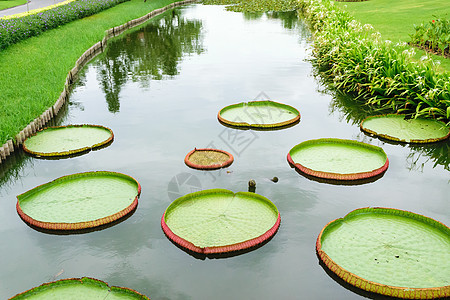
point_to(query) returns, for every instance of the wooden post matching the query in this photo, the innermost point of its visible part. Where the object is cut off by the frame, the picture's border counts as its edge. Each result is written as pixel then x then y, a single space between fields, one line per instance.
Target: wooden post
pixel 37 124
pixel 5 149
pixel 11 146
pixel 33 128
pixel 27 131
pixel 2 153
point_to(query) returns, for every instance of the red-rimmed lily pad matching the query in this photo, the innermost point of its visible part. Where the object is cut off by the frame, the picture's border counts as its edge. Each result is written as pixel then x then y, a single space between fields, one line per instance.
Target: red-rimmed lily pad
pixel 400 129
pixel 79 288
pixel 388 251
pixel 220 221
pixel 79 201
pixel 259 114
pixel 208 159
pixel 338 159
pixel 67 140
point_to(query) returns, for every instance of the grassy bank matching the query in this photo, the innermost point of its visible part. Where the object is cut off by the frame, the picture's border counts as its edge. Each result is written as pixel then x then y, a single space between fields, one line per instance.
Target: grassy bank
pixel 33 72
pixel 395 19
pixel 4 4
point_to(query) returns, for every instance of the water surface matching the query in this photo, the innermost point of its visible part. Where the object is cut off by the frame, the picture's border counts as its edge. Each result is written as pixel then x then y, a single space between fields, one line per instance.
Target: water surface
pixel 159 88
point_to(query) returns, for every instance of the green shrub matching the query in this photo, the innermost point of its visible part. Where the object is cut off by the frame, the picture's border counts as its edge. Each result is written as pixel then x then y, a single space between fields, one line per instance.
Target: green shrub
pixel 434 35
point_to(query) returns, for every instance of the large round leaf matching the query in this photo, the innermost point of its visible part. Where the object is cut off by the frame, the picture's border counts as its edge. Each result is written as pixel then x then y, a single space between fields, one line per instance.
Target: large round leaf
pixel 218 221
pixel 259 114
pixel 79 201
pixel 79 288
pixel 208 159
pixel 389 251
pixel 398 128
pixel 67 140
pixel 338 159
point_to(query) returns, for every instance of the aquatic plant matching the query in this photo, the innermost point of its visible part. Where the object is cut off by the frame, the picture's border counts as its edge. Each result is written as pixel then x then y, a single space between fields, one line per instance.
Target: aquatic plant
pixel 15 30
pixel 378 73
pixel 255 5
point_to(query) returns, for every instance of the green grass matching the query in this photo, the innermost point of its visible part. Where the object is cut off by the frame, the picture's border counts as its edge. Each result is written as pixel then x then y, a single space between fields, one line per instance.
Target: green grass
pixel 4 4
pixel 395 19
pixel 33 72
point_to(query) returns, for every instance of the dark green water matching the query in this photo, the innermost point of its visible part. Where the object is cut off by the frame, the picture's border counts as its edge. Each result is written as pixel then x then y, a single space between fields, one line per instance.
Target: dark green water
pixel 159 88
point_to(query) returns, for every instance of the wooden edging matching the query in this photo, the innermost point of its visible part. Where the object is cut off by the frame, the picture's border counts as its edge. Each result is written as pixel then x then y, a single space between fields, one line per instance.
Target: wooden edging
pixel 7 148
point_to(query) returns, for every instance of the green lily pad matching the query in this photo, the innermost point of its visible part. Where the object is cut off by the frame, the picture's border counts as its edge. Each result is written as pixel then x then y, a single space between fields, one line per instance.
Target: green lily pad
pixel 219 221
pixel 259 114
pixel 67 140
pixel 79 201
pixel 79 288
pixel 389 251
pixel 338 159
pixel 397 128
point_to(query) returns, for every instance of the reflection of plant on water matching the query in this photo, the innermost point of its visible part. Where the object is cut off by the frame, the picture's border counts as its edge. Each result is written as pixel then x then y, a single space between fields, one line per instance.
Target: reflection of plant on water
pixel 289 20
pixel 438 154
pixel 12 169
pixel 152 52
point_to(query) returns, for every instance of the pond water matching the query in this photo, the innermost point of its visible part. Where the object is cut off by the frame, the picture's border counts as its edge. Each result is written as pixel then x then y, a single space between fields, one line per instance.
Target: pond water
pixel 159 88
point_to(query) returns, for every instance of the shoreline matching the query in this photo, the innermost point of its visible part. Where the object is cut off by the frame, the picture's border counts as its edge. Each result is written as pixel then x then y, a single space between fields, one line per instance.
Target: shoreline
pixel 39 123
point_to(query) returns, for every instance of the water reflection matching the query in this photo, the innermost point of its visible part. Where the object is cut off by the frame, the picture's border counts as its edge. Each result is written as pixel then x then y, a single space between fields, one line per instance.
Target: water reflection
pixel 12 169
pixel 152 52
pixel 237 65
pixel 437 154
pixel 289 19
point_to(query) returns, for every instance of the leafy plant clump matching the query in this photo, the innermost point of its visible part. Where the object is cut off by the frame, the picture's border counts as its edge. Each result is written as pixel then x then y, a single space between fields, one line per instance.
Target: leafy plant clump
pixel 433 36
pixel 15 30
pixel 256 5
pixel 379 73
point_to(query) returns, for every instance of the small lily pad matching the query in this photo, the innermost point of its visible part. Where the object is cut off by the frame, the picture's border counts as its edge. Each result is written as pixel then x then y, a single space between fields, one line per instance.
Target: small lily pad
pixel 219 221
pixel 259 114
pixel 398 128
pixel 79 288
pixel 79 201
pixel 338 159
pixel 388 251
pixel 208 159
pixel 67 140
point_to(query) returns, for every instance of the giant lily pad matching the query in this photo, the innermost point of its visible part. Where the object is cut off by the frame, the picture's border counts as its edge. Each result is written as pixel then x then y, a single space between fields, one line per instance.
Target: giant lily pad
pixel 79 201
pixel 67 140
pixel 388 251
pixel 398 128
pixel 338 159
pixel 219 221
pixel 208 159
pixel 79 288
pixel 259 114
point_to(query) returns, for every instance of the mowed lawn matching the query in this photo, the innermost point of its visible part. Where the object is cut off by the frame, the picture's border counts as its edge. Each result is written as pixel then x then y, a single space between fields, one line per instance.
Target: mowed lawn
pixel 4 4
pixel 395 19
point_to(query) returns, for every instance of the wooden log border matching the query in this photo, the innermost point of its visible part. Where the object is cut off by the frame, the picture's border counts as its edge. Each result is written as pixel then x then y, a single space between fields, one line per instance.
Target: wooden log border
pixel 11 145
